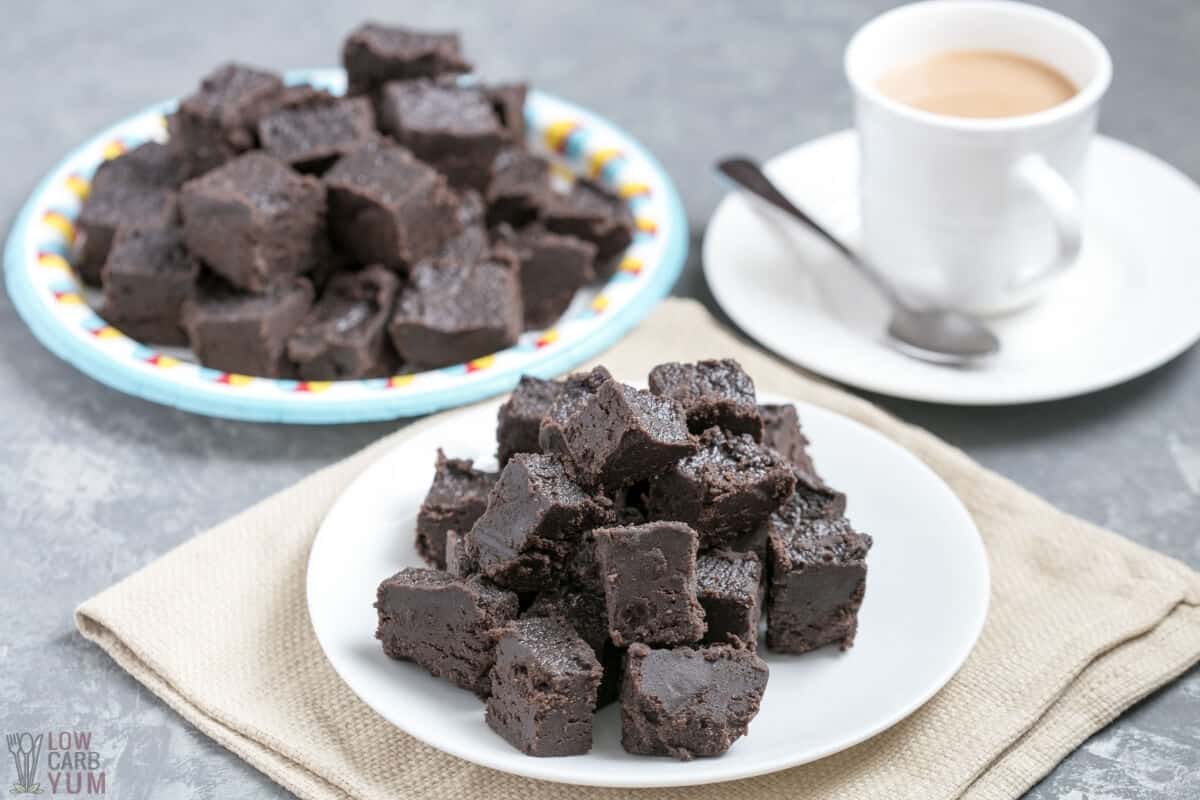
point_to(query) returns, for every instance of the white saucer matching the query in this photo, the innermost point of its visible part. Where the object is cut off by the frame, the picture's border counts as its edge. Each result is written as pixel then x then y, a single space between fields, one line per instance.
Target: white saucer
pixel 1131 304
pixel 927 563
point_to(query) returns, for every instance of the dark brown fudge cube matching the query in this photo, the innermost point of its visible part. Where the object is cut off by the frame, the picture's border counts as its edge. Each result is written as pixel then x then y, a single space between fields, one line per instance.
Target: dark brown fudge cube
pixel 689 703
pixel 623 435
pixel 147 277
pixel 508 99
pixel 782 433
pixel 553 268
pixel 460 554
pixel 447 625
pixel 312 135
pixel 471 244
pixel 649 578
pixel 585 611
pixel 591 212
pixel 455 500
pixel 520 187
pixel 344 335
pixel 451 314
pixel 534 519
pixel 386 207
pixel 520 418
pixel 456 129
pixel 730 486
pixel 254 221
pixel 374 54
pixel 713 393
pixel 245 333
pixel 729 585
pixel 817 578
pixel 137 189
pixel 544 687
pixel 577 389
pixel 218 121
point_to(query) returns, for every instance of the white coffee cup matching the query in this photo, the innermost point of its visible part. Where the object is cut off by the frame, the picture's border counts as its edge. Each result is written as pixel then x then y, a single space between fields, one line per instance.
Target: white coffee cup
pixel 974 214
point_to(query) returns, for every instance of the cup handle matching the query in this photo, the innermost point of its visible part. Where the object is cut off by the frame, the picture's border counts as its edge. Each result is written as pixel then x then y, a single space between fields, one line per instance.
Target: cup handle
pixel 1060 200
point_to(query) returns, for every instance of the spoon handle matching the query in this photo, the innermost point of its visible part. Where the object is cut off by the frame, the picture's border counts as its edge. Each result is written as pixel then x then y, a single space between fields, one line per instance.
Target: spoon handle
pixel 748 175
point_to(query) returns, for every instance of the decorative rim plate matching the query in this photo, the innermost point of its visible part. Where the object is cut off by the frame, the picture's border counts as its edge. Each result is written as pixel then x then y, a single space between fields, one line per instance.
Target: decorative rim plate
pixel 926 603
pixel 53 303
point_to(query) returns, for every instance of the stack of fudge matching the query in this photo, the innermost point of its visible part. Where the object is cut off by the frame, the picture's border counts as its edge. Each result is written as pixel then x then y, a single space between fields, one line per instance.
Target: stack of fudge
pixel 627 550
pixel 286 232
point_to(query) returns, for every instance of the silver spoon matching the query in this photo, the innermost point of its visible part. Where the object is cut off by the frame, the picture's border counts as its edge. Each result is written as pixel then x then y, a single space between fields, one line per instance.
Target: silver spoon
pixel 940 337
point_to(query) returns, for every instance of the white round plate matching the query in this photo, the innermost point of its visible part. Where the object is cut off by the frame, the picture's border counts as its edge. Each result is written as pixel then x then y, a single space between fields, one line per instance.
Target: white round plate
pixel 928 563
pixel 1128 306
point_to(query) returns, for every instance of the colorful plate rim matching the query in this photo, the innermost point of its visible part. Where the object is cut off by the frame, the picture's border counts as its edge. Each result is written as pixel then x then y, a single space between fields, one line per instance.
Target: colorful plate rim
pixel 138 371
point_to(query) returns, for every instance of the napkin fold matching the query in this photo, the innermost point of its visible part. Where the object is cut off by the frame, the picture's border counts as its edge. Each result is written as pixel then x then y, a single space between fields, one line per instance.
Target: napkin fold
pixel 1083 623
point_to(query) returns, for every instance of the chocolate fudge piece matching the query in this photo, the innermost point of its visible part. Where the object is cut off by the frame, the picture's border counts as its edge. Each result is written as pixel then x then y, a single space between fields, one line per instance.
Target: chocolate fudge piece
pixel 649 578
pixel 456 499
pixel 782 433
pixel 728 585
pixel 730 486
pixel 137 189
pixel 520 418
pixel 535 516
pixel 712 393
pixel 374 54
pixel 254 221
pixel 245 333
pixel 453 128
pixel 623 435
pixel 460 554
pixel 345 334
pixel 147 277
pixel 218 121
pixel 553 268
pixel 577 389
pixel 311 135
pixel 585 611
pixel 472 244
pixel 593 213
pixel 508 100
pixel 817 577
pixel 447 625
pixel 689 703
pixel 519 189
pixel 544 687
pixel 386 207
pixel 452 314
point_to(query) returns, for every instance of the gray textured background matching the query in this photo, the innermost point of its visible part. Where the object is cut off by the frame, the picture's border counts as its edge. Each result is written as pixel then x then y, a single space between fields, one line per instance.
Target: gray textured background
pixel 94 484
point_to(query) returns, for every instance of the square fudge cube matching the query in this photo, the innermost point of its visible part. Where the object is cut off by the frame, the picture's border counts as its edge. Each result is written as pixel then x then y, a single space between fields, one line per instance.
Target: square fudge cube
pixel 623 435
pixel 553 269
pixel 591 212
pixel 219 120
pixel 782 433
pixel 520 418
pixel 386 207
pixel 245 333
pixel 520 187
pixel 147 277
pixel 137 189
pixel 508 100
pixel 374 54
pixel 577 389
pixel 713 394
pixel 460 554
pixel 533 523
pixel 254 221
pixel 445 624
pixel 544 687
pixel 454 128
pixel 729 587
pixel 451 314
pixel 649 577
pixel 817 578
pixel 730 486
pixel 689 703
pixel 344 335
pixel 456 499
pixel 584 610
pixel 471 244
pixel 310 136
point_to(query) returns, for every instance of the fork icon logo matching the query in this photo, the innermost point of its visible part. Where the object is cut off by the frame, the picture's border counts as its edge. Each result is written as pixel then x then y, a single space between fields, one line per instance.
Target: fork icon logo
pixel 26 752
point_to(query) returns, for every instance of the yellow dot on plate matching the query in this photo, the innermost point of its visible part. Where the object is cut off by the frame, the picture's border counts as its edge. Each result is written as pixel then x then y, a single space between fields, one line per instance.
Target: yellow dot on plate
pixel 556 133
pixel 233 379
pixel 631 265
pixel 396 381
pixel 166 362
pixel 60 224
pixel 69 298
pixel 549 336
pixel 109 332
pixel 476 364
pixel 317 386
pixel 78 186
pixel 633 189
pixel 647 225
pixel 599 304
pixel 113 149
pixel 54 261
pixel 598 159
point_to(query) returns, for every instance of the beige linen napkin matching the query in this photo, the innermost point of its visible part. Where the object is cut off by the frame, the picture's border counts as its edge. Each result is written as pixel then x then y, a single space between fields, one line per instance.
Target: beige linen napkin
pixel 1083 623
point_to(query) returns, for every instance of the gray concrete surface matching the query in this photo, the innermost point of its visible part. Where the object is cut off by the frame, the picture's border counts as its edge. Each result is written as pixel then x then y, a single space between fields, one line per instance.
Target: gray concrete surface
pixel 94 484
